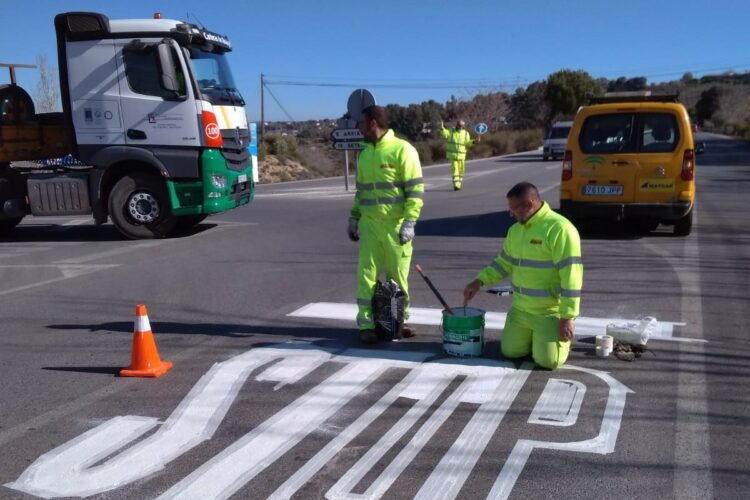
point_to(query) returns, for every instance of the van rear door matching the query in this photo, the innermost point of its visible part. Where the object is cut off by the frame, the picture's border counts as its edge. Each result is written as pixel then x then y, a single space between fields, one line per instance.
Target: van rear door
pixel 606 171
pixel 660 158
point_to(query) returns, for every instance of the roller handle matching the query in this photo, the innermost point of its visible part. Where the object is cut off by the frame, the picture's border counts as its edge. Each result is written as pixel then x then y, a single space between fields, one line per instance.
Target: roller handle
pixel 434 290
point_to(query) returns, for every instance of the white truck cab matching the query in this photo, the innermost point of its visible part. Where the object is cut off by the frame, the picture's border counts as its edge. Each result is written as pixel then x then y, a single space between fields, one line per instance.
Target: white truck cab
pixel 152 107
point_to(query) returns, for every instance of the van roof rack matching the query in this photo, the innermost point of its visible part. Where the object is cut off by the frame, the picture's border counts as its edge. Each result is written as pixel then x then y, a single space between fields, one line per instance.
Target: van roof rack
pixel 638 96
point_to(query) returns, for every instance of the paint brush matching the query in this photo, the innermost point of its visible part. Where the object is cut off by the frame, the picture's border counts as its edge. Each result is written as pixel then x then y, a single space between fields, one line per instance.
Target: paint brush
pixel 434 290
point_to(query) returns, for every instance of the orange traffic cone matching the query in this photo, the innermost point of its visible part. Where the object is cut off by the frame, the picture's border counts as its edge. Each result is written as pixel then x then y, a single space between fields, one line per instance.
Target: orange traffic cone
pixel 144 361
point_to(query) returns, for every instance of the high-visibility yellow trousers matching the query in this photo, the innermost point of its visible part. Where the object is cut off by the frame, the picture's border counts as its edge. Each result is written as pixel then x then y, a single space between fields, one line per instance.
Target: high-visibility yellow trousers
pixel 526 333
pixel 458 167
pixel 380 252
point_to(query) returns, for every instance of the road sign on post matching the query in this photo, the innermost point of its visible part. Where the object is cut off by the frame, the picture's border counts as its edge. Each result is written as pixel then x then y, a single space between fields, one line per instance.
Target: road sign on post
pixel 347 134
pixel 481 128
pixel 348 145
pixel 359 100
pixel 347 137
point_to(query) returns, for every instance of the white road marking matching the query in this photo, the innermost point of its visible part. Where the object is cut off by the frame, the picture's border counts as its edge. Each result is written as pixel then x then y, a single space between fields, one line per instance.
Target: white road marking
pixel 14 251
pixel 585 327
pixel 68 471
pixel 68 271
pixel 99 460
pixel 125 248
pixel 449 476
pixel 559 404
pixel 692 472
pixel 226 473
pixel 603 443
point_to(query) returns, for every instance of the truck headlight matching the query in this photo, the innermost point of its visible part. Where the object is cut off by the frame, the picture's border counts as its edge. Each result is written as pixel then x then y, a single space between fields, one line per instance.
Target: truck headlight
pixel 219 181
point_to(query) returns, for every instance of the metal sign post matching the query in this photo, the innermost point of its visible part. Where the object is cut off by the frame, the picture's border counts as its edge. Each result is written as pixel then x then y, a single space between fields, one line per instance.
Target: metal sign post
pixel 346 170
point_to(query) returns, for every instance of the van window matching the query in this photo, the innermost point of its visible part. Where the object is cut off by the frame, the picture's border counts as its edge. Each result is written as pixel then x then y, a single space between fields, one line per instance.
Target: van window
pixel 559 133
pixel 659 133
pixel 611 133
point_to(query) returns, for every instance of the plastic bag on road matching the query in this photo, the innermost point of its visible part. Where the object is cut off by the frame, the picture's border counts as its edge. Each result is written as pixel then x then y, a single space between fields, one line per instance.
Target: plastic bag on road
pixel 636 333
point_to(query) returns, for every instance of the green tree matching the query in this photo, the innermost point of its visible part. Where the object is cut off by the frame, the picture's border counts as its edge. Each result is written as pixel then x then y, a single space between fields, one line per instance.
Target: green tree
pixel 708 104
pixel 528 107
pixel 567 91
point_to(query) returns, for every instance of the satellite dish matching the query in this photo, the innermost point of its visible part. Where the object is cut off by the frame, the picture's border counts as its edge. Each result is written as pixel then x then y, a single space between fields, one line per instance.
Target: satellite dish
pixel 359 100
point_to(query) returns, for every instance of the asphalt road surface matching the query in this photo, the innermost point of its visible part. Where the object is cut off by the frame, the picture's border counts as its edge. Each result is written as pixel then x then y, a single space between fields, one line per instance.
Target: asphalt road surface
pixel 271 394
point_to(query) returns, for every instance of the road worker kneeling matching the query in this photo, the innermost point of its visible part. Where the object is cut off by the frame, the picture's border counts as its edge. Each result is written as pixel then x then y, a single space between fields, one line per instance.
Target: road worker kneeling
pixel 542 256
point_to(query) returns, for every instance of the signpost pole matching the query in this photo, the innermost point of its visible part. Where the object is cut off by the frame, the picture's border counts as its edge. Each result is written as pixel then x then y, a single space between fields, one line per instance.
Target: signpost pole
pixel 346 170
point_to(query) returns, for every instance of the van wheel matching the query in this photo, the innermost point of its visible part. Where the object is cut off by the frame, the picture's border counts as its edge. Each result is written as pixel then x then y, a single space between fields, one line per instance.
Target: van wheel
pixel 545 157
pixel 684 225
pixel 139 207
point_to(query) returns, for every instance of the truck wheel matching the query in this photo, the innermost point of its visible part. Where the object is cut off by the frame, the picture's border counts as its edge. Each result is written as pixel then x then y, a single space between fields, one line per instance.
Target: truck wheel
pixel 684 225
pixel 7 225
pixel 188 221
pixel 139 207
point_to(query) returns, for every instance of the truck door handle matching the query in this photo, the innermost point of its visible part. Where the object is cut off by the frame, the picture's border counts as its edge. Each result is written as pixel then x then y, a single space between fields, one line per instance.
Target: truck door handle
pixel 136 134
pixel 620 162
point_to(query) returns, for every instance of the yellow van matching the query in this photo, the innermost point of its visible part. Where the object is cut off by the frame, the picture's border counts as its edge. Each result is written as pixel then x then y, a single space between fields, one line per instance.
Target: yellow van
pixel 631 157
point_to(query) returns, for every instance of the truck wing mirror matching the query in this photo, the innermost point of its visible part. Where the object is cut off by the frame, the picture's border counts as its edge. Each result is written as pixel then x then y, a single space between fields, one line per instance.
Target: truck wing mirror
pixel 168 75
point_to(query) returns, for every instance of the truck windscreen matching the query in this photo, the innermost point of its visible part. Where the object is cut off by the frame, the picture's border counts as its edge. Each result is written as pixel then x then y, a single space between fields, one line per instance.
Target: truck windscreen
pixel 214 78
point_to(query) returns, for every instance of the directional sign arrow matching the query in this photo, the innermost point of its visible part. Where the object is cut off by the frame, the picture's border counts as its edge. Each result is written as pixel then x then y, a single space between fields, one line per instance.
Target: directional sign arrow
pixel 348 145
pixel 347 134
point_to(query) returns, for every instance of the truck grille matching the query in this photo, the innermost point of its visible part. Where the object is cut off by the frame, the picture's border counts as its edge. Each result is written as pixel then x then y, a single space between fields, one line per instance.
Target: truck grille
pixel 235 150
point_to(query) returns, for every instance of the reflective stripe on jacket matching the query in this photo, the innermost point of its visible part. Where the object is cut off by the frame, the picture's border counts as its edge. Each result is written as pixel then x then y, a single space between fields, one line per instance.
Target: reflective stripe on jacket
pixel 458 142
pixel 389 180
pixel 543 260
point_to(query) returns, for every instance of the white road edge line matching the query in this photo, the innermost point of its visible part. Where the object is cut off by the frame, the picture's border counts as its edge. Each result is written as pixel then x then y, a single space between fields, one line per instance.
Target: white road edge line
pixel 692 454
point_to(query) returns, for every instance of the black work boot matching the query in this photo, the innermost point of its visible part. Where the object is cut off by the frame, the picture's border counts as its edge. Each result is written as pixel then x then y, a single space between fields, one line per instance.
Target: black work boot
pixel 408 332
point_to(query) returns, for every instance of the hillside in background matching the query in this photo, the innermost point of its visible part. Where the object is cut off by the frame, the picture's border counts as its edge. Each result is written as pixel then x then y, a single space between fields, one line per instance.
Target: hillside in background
pixel 516 121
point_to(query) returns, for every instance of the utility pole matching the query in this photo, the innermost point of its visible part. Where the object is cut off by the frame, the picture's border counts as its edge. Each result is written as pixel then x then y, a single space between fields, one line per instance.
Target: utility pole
pixel 262 109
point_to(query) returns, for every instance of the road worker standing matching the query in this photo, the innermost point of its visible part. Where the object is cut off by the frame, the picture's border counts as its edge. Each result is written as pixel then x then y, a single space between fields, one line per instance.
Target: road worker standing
pixel 542 256
pixel 458 142
pixel 385 210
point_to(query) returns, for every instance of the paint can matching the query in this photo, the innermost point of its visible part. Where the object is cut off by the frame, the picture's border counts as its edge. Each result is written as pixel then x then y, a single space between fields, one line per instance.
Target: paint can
pixel 463 332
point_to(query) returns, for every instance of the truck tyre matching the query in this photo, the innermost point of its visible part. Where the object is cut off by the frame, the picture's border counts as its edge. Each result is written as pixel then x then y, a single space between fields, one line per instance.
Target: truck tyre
pixel 139 207
pixel 684 225
pixel 7 225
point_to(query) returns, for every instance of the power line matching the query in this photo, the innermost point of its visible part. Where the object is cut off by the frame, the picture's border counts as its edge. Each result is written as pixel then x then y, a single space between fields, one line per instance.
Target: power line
pixel 279 103
pixel 396 85
pixel 483 83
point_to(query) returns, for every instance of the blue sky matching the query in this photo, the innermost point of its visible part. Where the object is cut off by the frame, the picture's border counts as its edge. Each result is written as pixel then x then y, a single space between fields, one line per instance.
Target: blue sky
pixel 443 47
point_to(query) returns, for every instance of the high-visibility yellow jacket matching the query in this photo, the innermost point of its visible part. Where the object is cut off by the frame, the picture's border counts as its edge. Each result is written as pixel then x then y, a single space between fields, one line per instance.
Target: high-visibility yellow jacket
pixel 389 180
pixel 543 260
pixel 458 142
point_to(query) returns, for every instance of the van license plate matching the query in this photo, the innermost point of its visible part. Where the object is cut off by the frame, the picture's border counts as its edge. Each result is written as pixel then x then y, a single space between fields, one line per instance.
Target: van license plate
pixel 242 178
pixel 594 190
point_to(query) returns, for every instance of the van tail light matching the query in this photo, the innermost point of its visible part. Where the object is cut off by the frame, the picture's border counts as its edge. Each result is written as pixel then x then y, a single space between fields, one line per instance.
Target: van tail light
pixel 688 165
pixel 211 130
pixel 567 166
